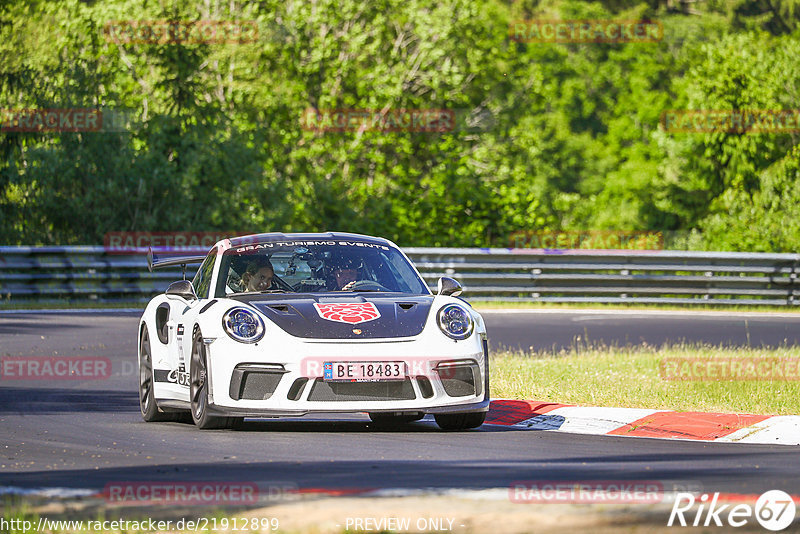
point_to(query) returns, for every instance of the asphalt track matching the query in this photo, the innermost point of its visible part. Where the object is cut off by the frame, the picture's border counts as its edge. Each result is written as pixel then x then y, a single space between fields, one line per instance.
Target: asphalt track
pixel 555 330
pixel 86 434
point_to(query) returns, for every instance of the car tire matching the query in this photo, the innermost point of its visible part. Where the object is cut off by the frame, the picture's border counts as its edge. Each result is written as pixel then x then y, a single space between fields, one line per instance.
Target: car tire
pixel 198 388
pixel 147 399
pixel 235 423
pixel 460 421
pixel 184 417
pixel 390 419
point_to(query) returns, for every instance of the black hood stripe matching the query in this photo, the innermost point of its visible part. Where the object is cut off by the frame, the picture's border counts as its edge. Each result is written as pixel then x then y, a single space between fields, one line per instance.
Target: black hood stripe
pixel 400 315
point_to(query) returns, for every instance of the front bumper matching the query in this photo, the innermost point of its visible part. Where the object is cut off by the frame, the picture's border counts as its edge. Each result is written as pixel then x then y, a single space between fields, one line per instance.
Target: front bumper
pixel 276 381
pixel 214 410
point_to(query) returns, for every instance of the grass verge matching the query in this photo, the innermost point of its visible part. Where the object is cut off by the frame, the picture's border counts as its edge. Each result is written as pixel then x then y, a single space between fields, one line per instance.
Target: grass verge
pixel 631 377
pixel 481 305
pixel 69 305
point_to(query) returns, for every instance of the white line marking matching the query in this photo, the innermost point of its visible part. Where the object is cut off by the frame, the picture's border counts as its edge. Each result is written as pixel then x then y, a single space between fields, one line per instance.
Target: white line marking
pixel 777 430
pixel 49 492
pixel 597 420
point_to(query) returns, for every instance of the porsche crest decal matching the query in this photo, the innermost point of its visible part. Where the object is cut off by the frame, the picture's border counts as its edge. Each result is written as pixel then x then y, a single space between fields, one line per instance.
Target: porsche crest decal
pixel 348 313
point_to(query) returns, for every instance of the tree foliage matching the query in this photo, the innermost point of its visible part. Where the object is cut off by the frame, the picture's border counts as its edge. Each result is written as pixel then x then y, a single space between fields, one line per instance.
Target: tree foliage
pixel 549 136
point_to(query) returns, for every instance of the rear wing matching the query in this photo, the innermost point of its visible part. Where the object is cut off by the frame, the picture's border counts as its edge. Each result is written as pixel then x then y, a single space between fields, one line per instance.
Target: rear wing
pixel 153 262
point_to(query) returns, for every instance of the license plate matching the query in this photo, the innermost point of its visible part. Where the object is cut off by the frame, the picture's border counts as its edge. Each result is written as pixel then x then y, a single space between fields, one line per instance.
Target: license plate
pixel 363 371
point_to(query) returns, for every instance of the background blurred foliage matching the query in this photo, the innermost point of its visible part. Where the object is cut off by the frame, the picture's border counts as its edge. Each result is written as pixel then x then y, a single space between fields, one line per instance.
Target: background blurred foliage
pixel 569 136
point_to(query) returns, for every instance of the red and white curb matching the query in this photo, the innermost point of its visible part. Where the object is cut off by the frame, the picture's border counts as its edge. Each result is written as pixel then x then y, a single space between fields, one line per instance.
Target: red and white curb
pixel 645 423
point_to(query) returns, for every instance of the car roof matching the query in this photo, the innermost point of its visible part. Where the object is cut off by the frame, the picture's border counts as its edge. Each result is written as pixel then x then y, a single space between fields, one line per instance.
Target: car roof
pixel 273 237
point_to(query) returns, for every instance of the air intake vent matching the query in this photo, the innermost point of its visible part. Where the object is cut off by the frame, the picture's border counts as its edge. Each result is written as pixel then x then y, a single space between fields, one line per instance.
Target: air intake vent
pixel 362 391
pixel 425 387
pixel 459 380
pixel 162 316
pixel 254 381
pixel 296 391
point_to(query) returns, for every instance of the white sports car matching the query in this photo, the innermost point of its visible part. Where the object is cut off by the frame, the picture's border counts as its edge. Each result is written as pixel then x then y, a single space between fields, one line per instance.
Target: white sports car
pixel 290 324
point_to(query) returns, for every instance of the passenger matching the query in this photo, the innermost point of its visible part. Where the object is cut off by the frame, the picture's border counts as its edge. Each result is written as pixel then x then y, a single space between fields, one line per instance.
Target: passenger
pixel 259 274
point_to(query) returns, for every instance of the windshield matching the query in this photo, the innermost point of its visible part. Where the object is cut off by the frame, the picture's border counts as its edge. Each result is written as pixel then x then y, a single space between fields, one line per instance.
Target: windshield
pixel 317 267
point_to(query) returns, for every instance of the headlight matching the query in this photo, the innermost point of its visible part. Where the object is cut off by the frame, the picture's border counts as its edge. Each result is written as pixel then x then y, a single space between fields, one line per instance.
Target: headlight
pixel 243 325
pixel 455 321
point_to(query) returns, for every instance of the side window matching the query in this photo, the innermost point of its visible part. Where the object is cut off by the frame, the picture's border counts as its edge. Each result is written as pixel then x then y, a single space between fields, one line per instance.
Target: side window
pixel 202 280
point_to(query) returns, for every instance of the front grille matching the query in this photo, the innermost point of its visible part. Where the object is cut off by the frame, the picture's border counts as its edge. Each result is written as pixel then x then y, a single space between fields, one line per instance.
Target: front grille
pixel 254 382
pixel 459 380
pixel 362 391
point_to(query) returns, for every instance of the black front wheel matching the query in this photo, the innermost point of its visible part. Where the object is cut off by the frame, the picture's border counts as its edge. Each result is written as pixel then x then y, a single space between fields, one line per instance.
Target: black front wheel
pixel 198 389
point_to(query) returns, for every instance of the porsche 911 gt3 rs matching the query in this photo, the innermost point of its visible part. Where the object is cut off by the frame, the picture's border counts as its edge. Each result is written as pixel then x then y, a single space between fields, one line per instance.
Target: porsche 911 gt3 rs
pixel 291 324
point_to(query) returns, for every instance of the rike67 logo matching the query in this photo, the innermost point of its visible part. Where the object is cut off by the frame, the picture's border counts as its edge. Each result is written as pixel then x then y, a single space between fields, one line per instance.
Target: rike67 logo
pixel 774 510
pixel 351 313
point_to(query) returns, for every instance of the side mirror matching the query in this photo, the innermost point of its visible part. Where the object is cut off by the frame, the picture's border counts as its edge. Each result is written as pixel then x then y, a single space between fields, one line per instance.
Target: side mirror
pixel 183 289
pixel 448 286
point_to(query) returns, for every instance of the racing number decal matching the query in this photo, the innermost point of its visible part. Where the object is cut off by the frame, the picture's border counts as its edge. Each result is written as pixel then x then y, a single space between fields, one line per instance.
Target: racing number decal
pixel 175 376
pixel 179 376
pixel 348 313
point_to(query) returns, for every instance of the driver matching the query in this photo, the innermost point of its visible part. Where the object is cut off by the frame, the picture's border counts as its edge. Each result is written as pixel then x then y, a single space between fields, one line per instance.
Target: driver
pixel 342 273
pixel 259 274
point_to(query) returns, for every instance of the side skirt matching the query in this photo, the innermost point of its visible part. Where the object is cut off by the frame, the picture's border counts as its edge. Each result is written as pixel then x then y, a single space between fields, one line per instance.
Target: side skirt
pixel 177 405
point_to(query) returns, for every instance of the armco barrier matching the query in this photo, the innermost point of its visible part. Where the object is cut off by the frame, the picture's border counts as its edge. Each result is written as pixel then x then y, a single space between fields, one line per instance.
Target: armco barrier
pixel 58 273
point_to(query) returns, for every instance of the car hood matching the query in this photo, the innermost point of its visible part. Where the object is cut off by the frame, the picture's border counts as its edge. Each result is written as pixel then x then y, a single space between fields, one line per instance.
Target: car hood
pixel 344 317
